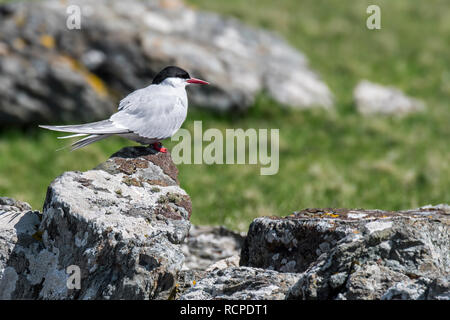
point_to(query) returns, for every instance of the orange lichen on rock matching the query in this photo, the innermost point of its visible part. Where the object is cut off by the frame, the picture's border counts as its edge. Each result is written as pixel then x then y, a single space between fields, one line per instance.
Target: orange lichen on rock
pixel 332 215
pixel 94 81
pixel 47 41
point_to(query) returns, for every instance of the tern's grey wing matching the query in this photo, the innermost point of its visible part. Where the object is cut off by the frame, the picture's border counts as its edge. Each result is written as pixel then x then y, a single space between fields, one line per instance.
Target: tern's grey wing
pixel 129 99
pixel 156 116
pixel 99 127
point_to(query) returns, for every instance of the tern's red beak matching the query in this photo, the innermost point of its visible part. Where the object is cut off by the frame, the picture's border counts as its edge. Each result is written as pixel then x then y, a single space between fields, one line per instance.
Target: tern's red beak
pixel 193 80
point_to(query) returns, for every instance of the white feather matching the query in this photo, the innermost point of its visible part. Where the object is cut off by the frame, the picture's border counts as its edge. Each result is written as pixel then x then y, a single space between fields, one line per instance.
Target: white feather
pixel 73 136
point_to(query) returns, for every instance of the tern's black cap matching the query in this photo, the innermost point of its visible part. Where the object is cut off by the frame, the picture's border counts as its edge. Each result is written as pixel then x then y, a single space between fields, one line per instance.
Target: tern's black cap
pixel 170 72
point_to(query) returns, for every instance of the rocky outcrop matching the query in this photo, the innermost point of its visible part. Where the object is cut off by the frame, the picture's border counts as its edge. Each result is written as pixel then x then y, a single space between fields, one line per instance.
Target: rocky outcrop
pixel 121 224
pixel 49 72
pixel 124 226
pixel 336 254
pixel 372 98
pixel 356 254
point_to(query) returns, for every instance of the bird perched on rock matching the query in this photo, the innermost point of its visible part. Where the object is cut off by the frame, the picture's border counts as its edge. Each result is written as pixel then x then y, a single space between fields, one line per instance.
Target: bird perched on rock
pixel 148 115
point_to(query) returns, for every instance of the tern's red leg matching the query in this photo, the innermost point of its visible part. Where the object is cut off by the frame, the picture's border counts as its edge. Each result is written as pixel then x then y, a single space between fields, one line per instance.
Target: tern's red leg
pixel 158 147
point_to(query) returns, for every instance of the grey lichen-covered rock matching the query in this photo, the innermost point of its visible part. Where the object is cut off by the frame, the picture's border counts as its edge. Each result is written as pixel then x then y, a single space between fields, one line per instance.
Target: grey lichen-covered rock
pixel 225 263
pixel 242 283
pixel 423 288
pixel 372 98
pixel 206 249
pixel 49 72
pixel 207 245
pixel 356 254
pixel 121 223
pixel 19 239
pixel 124 225
pixel 187 278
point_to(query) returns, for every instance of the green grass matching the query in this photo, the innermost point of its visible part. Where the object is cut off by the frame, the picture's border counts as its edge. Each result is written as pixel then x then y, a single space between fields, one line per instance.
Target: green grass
pixel 327 159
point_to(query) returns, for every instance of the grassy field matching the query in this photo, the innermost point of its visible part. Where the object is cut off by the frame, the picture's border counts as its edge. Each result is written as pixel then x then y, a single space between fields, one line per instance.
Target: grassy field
pixel 334 159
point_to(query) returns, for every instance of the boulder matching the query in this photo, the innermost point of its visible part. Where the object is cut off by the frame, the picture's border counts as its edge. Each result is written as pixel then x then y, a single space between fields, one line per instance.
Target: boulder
pixel 19 239
pixel 356 254
pixel 372 98
pixel 120 224
pixel 53 72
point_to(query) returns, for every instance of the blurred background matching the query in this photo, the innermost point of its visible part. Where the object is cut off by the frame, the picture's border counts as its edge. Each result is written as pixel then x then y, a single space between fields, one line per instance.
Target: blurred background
pixel 293 65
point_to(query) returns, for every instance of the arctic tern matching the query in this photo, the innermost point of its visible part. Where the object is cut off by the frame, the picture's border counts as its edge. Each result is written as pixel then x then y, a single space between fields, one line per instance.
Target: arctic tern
pixel 148 115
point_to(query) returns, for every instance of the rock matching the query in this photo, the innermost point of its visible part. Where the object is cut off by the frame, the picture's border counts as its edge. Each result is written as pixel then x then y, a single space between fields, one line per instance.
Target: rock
pixel 207 249
pixel 371 98
pixel 232 261
pixel 241 283
pixel 10 205
pixel 356 254
pixel 121 223
pixel 50 73
pixel 413 289
pixel 124 226
pixel 207 245
pixel 187 278
pixel 18 239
